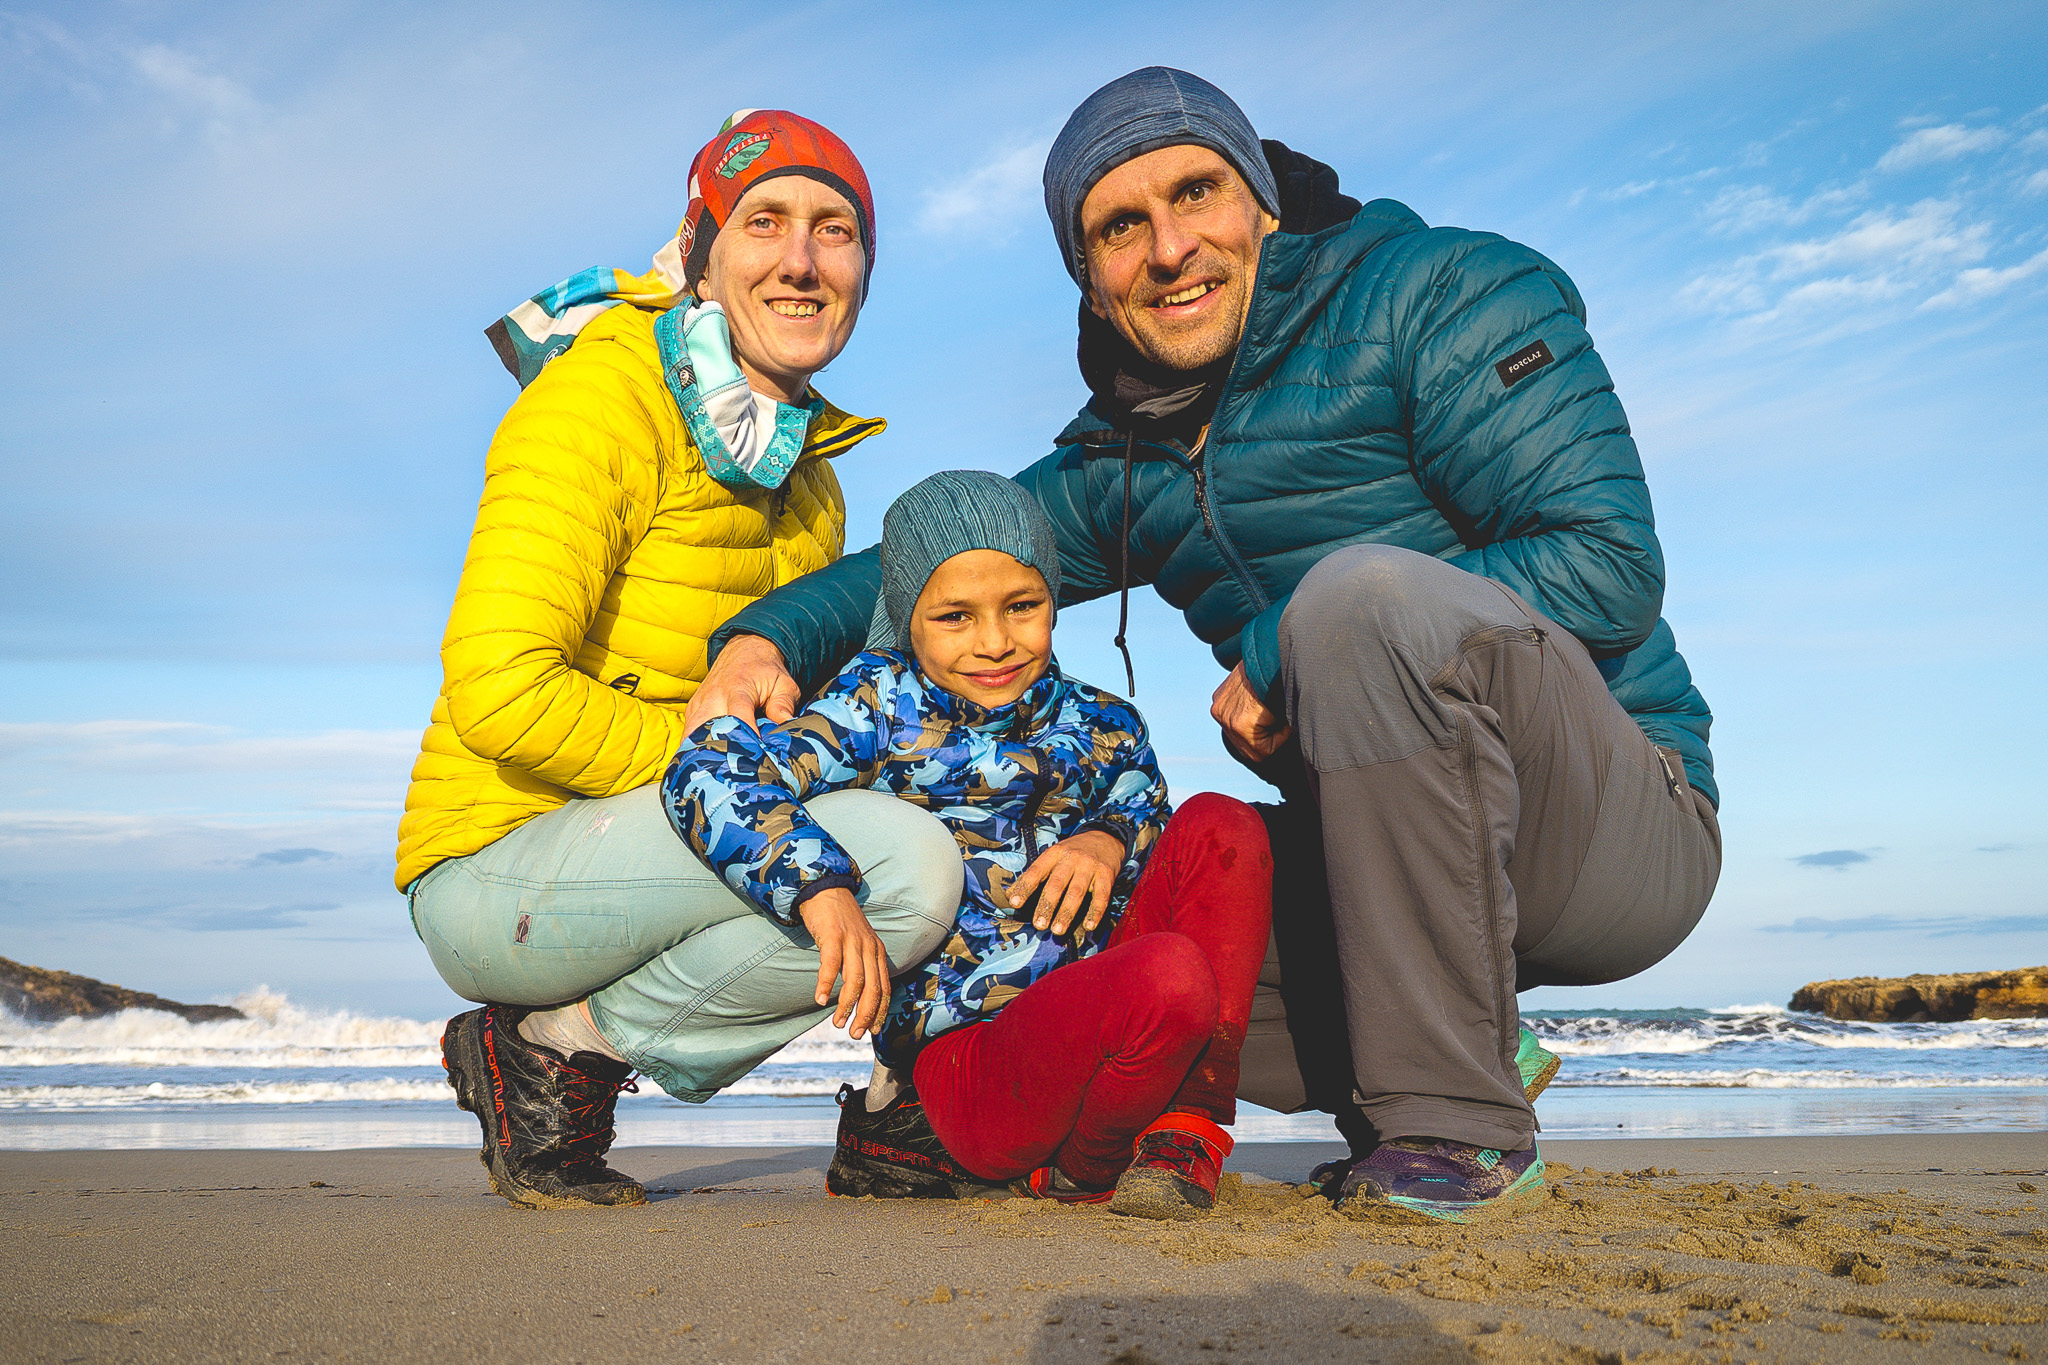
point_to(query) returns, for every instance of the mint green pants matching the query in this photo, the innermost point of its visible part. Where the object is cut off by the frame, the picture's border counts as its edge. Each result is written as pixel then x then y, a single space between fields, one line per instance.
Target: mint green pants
pixel 687 980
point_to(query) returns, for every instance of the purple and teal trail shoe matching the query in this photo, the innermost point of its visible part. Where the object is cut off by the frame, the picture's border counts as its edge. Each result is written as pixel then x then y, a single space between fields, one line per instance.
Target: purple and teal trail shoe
pixel 1452 1181
pixel 1537 1065
pixel 1536 1062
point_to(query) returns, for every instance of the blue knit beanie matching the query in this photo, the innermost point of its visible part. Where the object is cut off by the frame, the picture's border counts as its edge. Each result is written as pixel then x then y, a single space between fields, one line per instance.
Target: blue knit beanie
pixel 1153 107
pixel 949 514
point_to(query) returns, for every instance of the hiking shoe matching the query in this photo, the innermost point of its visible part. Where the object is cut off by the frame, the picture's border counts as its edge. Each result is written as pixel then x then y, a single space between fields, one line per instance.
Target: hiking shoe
pixel 1536 1063
pixel 1328 1178
pixel 893 1153
pixel 547 1120
pixel 1050 1182
pixel 1453 1181
pixel 1173 1175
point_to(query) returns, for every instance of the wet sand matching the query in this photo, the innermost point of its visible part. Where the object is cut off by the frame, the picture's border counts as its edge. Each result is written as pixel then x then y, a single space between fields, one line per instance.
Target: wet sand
pixel 1777 1249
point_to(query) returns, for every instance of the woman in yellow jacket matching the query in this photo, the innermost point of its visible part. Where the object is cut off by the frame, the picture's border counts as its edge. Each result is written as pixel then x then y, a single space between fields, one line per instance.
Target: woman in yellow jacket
pixel 665 465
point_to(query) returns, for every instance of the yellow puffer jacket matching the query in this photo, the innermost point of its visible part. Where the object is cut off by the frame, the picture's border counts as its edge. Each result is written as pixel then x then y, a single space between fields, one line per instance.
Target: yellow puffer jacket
pixel 604 556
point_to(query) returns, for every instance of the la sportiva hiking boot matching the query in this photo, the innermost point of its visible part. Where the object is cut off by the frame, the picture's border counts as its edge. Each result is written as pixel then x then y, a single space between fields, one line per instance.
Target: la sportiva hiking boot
pixel 1173 1175
pixel 893 1153
pixel 1452 1181
pixel 1536 1062
pixel 547 1120
pixel 1050 1182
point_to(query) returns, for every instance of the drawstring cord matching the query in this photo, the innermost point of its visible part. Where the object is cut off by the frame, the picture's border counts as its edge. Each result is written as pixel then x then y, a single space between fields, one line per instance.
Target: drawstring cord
pixel 1123 576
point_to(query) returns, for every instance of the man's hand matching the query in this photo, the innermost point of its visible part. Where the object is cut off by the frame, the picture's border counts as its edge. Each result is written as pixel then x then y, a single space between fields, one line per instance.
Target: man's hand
pixel 749 680
pixel 1075 872
pixel 1251 728
pixel 848 945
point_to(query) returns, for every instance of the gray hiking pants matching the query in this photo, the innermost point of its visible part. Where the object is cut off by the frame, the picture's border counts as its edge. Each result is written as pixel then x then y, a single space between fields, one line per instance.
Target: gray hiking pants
pixel 1487 818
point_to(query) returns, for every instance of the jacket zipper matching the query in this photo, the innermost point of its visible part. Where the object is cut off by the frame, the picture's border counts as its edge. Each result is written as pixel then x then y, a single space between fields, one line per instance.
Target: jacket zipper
pixel 1226 548
pixel 1038 795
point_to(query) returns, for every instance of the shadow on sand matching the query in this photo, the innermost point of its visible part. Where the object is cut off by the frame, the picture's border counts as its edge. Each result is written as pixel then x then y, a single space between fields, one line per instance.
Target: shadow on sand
pixel 1281 1321
pixel 805 1163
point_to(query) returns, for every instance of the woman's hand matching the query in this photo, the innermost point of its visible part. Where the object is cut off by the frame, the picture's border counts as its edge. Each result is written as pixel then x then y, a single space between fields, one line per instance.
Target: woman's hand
pixel 1250 727
pixel 749 680
pixel 848 945
pixel 1075 872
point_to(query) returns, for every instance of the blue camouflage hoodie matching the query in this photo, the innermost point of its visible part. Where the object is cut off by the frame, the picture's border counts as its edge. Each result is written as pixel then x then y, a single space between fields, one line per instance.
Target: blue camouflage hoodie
pixel 1008 782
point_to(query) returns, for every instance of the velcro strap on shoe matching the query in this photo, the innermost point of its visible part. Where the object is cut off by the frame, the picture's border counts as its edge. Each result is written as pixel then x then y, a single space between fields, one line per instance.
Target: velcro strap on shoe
pixel 1192 1124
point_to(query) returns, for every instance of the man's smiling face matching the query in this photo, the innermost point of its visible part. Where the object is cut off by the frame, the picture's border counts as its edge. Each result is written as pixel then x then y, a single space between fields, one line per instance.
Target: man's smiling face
pixel 1172 241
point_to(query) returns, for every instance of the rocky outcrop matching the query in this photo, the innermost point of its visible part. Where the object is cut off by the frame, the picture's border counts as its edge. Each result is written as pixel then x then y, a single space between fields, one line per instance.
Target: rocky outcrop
pixel 44 997
pixel 2018 994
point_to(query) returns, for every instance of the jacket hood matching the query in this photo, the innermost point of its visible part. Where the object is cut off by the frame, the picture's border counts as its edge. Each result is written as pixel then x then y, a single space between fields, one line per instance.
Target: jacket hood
pixel 1130 390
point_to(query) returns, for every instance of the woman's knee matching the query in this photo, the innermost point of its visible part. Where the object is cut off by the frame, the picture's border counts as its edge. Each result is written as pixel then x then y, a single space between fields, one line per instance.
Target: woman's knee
pixel 910 867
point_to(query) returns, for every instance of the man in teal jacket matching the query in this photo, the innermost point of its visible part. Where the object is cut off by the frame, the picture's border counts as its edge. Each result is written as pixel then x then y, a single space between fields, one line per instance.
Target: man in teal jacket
pixel 1381 469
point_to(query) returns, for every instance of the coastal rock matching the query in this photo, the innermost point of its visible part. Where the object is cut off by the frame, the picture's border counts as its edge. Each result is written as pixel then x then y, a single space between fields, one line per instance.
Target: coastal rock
pixel 43 996
pixel 2018 994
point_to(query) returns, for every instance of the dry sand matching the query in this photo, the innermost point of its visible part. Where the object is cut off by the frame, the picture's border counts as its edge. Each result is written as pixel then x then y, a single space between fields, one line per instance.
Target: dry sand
pixel 1783 1250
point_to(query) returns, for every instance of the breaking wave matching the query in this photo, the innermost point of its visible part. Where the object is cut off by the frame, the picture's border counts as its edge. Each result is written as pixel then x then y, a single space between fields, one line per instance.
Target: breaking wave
pixel 144 1061
pixel 1760 1078
pixel 161 1094
pixel 1734 1027
pixel 277 1034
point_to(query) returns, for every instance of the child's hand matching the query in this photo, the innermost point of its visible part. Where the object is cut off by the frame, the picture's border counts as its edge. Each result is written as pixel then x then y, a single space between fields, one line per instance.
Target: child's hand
pixel 849 951
pixel 1075 872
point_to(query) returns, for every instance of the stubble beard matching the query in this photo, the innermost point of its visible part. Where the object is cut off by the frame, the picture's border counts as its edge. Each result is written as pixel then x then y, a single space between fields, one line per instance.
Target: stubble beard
pixel 1195 350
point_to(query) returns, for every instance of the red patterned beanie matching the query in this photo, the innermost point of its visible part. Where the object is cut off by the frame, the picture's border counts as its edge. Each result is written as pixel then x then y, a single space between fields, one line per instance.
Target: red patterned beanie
pixel 761 144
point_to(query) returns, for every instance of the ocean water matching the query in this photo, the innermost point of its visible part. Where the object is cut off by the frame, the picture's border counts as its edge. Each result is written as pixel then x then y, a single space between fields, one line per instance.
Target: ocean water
pixel 287 1077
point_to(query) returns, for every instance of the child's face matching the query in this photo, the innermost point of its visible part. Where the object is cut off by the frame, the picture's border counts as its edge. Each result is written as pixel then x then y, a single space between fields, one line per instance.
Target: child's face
pixel 982 627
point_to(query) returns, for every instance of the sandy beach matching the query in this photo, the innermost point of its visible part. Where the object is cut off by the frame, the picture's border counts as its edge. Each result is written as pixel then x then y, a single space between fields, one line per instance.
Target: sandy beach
pixel 1781 1249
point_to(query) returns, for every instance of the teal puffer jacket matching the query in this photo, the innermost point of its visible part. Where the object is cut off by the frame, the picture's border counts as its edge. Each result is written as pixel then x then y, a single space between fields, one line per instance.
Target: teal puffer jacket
pixel 1396 384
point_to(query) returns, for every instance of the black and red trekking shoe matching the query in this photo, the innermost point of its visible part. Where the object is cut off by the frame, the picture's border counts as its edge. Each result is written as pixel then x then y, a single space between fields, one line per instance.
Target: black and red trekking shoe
pixel 1175 1170
pixel 893 1153
pixel 1050 1182
pixel 547 1121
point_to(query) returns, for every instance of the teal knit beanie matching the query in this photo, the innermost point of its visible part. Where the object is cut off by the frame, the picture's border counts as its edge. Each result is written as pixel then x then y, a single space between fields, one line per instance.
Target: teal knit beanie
pixel 949 514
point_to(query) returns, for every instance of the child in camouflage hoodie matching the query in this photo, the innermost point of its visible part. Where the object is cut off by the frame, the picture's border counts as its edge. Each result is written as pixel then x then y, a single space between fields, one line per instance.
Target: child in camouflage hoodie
pixel 1079 1033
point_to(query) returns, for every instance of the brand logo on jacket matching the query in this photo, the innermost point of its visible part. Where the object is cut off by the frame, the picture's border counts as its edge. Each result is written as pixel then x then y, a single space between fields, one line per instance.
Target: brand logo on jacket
pixel 1522 364
pixel 625 682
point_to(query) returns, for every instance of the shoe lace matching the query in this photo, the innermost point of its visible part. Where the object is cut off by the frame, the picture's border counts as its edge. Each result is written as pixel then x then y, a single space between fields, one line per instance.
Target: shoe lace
pixel 1172 1147
pixel 590 1103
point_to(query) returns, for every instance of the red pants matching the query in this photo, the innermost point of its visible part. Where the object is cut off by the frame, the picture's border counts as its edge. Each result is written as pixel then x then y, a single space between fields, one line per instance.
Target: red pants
pixel 1086 1056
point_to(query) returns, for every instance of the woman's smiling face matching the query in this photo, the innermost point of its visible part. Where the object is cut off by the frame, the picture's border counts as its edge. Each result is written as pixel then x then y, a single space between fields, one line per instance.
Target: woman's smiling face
pixel 787 267
pixel 982 627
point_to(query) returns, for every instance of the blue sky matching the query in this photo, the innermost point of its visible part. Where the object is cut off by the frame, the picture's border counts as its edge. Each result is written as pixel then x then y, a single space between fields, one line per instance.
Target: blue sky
pixel 246 395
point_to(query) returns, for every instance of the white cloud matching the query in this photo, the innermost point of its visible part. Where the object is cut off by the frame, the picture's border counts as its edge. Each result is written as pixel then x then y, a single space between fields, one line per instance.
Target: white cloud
pixel 181 76
pixel 2037 183
pixel 1747 208
pixel 1984 282
pixel 1876 257
pixel 1945 142
pixel 181 746
pixel 178 767
pixel 994 199
pixel 1923 234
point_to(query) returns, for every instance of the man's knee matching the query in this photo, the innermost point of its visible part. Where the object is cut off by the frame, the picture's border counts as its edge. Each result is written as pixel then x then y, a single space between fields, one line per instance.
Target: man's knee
pixel 1367 594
